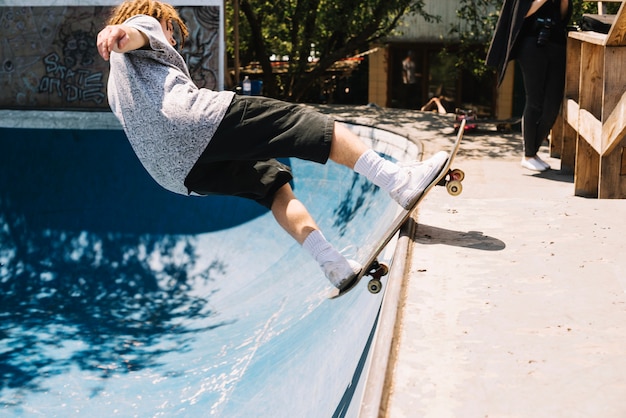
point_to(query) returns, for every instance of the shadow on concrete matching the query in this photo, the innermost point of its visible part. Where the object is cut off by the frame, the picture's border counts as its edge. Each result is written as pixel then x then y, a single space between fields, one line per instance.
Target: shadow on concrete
pixel 432 235
pixel 555 175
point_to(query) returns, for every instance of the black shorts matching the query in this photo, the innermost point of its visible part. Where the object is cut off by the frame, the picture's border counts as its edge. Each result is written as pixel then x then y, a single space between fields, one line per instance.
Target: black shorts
pixel 241 158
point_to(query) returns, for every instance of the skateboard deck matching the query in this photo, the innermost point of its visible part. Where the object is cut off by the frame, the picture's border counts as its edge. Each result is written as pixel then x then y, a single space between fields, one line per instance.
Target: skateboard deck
pixel 447 177
pixel 502 125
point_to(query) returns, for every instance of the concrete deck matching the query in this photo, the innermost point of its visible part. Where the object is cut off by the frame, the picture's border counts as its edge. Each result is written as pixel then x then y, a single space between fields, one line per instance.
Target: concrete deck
pixel 514 305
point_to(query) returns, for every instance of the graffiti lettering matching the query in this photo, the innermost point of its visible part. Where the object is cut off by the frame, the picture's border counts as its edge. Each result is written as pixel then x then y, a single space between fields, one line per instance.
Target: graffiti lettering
pixel 49 85
pixel 73 85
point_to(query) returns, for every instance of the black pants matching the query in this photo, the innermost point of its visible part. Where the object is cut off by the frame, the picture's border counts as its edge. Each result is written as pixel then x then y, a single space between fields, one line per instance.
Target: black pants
pixel 543 70
pixel 240 159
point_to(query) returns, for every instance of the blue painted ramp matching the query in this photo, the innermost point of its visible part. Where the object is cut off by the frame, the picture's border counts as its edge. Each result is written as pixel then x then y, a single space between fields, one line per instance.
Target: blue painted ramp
pixel 118 298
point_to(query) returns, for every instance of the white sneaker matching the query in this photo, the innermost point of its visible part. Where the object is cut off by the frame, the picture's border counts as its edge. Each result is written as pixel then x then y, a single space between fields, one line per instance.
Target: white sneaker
pixel 341 273
pixel 416 178
pixel 543 163
pixel 533 165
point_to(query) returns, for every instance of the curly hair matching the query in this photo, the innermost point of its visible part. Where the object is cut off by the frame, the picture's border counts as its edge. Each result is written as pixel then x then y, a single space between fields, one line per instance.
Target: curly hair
pixel 153 8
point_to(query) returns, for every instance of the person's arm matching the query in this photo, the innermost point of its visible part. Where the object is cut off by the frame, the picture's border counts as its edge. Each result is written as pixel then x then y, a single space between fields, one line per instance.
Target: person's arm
pixel 536 5
pixel 119 38
pixel 564 8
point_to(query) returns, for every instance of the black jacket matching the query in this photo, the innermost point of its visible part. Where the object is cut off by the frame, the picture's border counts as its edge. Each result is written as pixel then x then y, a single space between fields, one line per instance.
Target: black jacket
pixel 508 29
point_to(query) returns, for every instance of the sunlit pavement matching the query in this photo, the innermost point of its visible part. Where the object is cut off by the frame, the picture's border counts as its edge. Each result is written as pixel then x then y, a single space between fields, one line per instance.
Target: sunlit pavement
pixel 514 304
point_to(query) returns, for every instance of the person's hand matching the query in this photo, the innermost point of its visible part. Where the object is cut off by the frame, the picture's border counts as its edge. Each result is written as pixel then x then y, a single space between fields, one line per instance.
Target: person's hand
pixel 112 38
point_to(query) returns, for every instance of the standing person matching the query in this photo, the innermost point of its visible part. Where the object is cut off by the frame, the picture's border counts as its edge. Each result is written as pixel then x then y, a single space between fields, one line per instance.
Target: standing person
pixel 535 34
pixel 409 81
pixel 202 142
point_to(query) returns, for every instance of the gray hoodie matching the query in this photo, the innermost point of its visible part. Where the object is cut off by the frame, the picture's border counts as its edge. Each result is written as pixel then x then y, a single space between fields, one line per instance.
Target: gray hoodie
pixel 168 120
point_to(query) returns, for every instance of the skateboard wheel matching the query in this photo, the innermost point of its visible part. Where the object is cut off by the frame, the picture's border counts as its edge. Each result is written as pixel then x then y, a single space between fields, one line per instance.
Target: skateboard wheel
pixel 374 286
pixel 457 174
pixel 454 187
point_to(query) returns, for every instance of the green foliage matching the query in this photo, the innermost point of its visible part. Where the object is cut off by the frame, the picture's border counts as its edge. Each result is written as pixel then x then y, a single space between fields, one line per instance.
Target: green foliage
pixel 581 7
pixel 340 29
pixel 336 29
pixel 477 21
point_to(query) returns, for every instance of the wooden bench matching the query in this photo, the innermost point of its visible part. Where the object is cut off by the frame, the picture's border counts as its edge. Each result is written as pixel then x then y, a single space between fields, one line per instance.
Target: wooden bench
pixel 590 137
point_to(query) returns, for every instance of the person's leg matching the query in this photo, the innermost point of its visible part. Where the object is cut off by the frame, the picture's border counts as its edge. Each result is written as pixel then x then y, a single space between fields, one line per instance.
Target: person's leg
pixel 553 95
pixel 404 184
pixel 435 104
pixel 292 215
pixel 440 107
pixel 429 106
pixel 533 63
pixel 309 136
pixel 533 73
pixel 346 148
pixel 553 91
pixel 264 128
pixel 267 182
pixel 294 218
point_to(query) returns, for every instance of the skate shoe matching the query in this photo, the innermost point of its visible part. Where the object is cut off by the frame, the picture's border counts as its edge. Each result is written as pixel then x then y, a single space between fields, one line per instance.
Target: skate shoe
pixel 416 177
pixel 543 163
pixel 342 272
pixel 533 165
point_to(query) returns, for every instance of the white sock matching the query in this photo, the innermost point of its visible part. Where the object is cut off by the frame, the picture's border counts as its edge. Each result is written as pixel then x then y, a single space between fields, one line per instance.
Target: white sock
pixel 334 265
pixel 320 249
pixel 376 169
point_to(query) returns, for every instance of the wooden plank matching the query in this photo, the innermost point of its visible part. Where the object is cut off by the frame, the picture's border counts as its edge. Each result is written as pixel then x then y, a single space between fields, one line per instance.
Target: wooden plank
pixel 592 79
pixel 614 78
pixel 612 185
pixel 556 137
pixel 572 73
pixel 571 114
pixel 590 128
pixel 595 112
pixel 568 151
pixel 614 129
pixel 587 171
pixel 570 135
pixel 589 37
pixel 617 34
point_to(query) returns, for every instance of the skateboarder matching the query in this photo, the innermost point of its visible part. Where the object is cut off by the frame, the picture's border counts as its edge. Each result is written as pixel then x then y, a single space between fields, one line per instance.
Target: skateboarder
pixel 534 33
pixel 199 142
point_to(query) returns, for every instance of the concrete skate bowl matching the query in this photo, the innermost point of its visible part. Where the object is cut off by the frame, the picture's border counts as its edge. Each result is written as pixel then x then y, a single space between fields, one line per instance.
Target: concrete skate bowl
pixel 118 298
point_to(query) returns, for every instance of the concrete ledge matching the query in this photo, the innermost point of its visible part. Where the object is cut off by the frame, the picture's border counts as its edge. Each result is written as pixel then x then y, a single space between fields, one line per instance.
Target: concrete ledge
pixel 57 119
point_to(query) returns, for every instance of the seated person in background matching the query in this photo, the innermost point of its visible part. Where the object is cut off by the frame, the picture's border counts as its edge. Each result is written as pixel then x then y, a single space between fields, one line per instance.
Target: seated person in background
pixel 438 104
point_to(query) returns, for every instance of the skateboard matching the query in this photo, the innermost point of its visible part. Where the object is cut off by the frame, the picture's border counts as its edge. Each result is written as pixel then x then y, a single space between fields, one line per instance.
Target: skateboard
pixel 465 115
pixel 473 123
pixel 447 177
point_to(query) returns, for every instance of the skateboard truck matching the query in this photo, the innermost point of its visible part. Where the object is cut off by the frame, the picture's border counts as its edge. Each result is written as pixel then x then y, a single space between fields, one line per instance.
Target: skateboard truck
pixel 376 270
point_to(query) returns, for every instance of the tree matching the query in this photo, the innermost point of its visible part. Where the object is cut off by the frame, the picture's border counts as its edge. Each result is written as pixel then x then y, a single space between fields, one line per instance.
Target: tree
pixel 477 21
pixel 336 30
pixel 582 6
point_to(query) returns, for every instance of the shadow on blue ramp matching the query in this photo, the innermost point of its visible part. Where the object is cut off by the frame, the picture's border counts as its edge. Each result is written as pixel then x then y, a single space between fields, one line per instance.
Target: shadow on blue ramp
pixel 118 298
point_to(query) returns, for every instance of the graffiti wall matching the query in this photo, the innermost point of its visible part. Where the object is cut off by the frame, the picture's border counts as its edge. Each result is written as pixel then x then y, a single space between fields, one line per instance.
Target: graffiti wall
pixel 49 60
